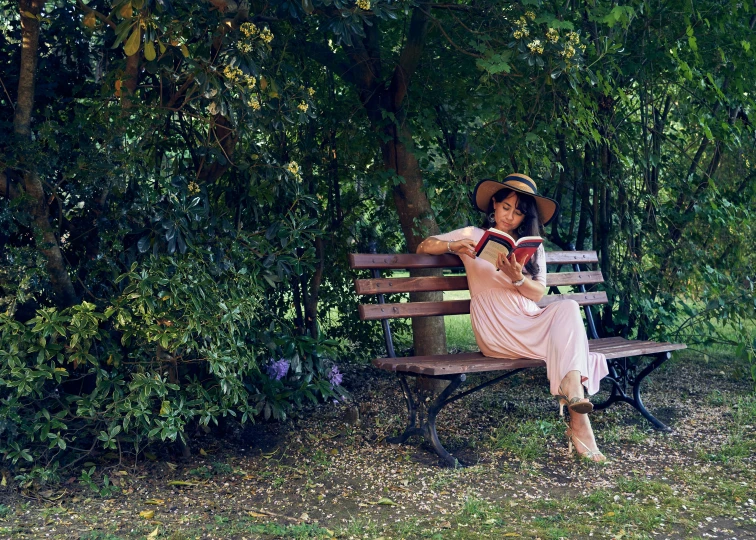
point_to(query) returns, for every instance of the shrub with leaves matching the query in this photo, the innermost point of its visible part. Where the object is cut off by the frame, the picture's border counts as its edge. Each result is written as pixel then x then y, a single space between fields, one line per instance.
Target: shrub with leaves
pixel 182 344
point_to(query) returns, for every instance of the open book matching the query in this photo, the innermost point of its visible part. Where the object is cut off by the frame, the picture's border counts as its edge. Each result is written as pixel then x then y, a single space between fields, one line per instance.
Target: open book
pixel 495 241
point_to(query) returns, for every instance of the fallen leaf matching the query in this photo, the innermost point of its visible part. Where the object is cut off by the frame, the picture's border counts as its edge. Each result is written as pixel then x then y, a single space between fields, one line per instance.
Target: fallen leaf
pixel 154 533
pixel 257 514
pixel 147 514
pixel 148 455
pixel 511 535
pixel 156 502
pixel 386 501
pixel 182 483
pixel 202 452
pixel 445 525
pixel 304 517
pixel 609 514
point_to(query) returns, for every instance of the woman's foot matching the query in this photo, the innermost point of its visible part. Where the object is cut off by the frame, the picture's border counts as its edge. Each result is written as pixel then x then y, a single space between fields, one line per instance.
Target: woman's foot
pixel 580 435
pixel 571 394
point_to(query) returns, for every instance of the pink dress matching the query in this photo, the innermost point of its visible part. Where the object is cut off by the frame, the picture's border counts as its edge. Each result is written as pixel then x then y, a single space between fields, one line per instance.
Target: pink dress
pixel 508 325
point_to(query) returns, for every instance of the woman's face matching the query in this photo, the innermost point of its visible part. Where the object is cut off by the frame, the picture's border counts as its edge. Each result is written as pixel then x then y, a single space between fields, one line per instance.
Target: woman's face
pixel 507 216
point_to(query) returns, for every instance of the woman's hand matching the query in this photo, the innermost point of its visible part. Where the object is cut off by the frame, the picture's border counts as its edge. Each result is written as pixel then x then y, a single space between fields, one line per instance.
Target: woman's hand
pixel 510 266
pixel 464 247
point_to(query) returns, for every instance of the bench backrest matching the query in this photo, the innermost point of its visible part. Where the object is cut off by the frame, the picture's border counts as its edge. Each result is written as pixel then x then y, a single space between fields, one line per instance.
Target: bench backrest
pixel 381 286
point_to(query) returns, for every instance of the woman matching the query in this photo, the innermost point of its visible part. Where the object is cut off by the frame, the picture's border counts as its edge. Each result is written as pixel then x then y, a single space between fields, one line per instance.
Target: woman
pixel 505 318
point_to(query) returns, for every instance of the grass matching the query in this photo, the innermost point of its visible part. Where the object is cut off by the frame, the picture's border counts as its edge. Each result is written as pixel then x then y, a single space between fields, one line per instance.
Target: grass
pixel 528 441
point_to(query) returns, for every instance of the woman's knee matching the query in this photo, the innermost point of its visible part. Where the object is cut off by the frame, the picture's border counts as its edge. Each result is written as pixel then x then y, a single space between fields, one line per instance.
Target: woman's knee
pixel 570 306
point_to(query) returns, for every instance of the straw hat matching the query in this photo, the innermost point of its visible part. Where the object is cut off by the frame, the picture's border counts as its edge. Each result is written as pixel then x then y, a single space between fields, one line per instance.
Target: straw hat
pixel 481 196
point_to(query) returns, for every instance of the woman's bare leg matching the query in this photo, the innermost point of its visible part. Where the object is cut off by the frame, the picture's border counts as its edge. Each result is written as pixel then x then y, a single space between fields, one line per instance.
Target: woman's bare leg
pixel 579 423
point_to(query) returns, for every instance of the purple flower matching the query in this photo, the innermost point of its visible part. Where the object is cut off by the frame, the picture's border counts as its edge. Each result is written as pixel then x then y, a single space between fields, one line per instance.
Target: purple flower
pixel 334 377
pixel 278 369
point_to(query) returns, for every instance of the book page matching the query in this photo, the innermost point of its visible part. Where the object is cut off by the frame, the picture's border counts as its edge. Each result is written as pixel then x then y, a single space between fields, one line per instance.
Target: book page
pixel 491 251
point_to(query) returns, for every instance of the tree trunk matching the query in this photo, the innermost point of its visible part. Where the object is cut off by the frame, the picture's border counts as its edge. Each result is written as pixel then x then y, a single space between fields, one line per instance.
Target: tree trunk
pixel 417 221
pixel 37 207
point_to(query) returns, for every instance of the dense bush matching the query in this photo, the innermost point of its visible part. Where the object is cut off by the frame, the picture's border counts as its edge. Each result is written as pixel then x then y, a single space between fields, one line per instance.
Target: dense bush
pixel 183 344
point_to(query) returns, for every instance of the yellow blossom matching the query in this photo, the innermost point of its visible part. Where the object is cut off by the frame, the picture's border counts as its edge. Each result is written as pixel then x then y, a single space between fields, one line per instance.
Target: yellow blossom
pixel 193 187
pixel 535 46
pixel 522 21
pixel 573 37
pixel 303 107
pixel 266 35
pixel 249 29
pixel 232 73
pixel 293 168
pixel 552 35
pixel 517 34
pixel 254 103
pixel 311 91
pixel 530 15
pixel 568 51
pixel 245 47
pixel 363 4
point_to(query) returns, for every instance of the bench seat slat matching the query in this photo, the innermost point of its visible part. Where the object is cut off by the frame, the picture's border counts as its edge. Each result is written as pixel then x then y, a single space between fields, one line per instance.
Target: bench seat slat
pixel 635 349
pixel 459 283
pixel 474 362
pixel 366 261
pixel 451 365
pixel 372 312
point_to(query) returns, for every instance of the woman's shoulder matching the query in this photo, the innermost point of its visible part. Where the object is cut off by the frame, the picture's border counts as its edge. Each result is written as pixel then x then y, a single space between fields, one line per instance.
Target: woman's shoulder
pixel 464 232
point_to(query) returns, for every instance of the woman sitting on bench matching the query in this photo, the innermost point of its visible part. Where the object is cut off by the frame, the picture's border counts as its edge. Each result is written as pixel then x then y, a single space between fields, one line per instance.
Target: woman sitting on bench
pixel 505 318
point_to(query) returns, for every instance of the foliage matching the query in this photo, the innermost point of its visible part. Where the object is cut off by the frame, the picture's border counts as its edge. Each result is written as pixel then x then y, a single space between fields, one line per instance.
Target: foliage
pixel 181 345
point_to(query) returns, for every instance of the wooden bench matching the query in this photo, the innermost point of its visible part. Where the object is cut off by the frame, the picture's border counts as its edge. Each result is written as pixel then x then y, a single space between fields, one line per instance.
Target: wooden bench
pixel 626 371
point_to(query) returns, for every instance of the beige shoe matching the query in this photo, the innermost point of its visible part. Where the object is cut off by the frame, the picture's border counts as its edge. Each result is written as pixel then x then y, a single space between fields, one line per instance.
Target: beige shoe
pixel 576 404
pixel 594 456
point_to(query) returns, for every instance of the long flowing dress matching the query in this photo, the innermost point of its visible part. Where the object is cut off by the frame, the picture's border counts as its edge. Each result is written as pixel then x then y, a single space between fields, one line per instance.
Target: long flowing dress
pixel 508 325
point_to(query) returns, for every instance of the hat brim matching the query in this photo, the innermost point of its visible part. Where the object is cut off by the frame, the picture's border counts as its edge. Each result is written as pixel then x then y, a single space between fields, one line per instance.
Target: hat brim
pixel 486 189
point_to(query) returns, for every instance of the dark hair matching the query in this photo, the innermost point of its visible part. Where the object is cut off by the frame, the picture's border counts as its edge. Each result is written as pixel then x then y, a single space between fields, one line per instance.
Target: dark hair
pixel 530 226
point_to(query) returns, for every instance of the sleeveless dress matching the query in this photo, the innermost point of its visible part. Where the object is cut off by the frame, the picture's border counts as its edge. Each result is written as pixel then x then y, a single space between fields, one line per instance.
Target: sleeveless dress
pixel 508 325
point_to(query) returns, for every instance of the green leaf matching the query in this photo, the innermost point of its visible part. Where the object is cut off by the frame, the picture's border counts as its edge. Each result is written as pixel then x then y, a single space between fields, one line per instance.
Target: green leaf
pixel 165 408
pixel 149 51
pixel 132 44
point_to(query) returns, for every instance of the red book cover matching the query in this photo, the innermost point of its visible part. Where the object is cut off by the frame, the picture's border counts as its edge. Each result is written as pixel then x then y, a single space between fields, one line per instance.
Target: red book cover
pixel 495 241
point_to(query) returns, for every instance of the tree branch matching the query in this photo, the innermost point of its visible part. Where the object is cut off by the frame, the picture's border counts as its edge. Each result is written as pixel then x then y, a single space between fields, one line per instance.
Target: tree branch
pixel 96 13
pixel 410 57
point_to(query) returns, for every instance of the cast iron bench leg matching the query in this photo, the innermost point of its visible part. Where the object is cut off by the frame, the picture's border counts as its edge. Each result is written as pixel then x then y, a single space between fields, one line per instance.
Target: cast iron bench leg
pixel 430 426
pixel 621 379
pixel 428 429
pixel 411 428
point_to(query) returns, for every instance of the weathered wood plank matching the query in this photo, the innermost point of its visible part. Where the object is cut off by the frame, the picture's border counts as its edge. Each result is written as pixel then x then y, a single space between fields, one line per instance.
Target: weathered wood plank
pixel 588 277
pixel 372 312
pixel 459 283
pixel 584 299
pixel 362 261
pixel 475 362
pixel 411 284
pixel 453 364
